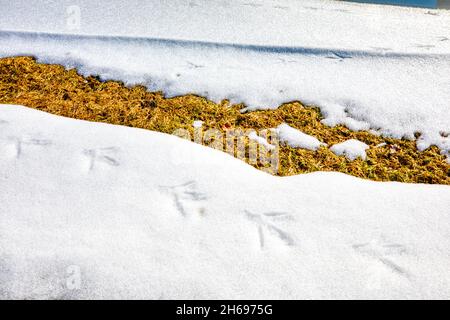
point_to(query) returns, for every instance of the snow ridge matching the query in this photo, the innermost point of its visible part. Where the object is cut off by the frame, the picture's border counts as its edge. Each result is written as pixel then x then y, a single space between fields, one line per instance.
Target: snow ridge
pixel 150 226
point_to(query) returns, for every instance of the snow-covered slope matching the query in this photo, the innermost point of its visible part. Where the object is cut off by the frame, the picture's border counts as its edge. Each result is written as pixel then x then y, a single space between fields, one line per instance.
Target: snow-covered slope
pixel 304 23
pixel 93 210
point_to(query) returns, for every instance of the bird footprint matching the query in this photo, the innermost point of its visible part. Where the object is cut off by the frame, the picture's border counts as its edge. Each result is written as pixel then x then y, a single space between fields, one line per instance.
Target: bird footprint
pixel 106 155
pixel 186 197
pixel 383 252
pixel 266 225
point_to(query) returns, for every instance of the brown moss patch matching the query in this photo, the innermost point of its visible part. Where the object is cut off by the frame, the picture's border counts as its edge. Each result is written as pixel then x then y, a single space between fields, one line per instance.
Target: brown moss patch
pixel 53 89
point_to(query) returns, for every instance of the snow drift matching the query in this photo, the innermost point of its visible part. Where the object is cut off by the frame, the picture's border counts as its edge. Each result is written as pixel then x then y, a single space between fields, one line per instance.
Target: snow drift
pixel 92 210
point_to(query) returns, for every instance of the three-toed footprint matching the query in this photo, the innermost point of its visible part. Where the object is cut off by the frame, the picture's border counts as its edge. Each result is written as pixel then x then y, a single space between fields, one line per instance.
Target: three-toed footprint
pixel 102 156
pixel 383 252
pixel 15 146
pixel 187 199
pixel 266 226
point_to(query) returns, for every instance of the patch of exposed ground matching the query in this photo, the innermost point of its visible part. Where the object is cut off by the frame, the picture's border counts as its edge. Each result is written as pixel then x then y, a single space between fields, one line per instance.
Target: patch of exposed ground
pixel 53 89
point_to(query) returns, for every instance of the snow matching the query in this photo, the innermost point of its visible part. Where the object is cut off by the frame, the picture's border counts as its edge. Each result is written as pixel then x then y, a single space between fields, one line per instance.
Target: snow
pixel 92 210
pixel 297 139
pixel 284 23
pixel 378 68
pixel 197 124
pixel 261 140
pixel 352 149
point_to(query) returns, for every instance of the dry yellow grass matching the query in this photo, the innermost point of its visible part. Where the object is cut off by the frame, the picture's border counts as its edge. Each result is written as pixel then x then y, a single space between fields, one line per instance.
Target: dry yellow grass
pixel 63 92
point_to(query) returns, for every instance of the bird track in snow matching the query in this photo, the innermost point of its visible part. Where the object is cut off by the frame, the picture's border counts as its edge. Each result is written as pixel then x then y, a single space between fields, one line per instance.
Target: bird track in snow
pixel 106 155
pixel 265 224
pixel 384 252
pixel 186 197
pixel 19 143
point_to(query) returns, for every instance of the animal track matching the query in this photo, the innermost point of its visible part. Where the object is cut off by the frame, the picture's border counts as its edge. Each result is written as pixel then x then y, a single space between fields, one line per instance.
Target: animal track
pixel 382 49
pixel 285 61
pixel 103 155
pixel 338 56
pixel 184 196
pixel 325 9
pixel 425 46
pixel 254 5
pixel 311 8
pixel 281 7
pixel 19 143
pixel 383 252
pixel 194 65
pixel 265 223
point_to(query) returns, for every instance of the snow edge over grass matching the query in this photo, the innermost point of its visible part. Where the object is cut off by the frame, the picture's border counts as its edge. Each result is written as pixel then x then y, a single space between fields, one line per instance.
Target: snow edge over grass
pixel 415 88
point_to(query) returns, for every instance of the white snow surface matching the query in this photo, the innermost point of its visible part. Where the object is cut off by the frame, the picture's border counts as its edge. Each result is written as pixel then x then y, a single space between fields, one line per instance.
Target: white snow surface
pixel 379 68
pixel 197 124
pixel 352 149
pixel 286 23
pixel 297 139
pixel 260 140
pixel 91 210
